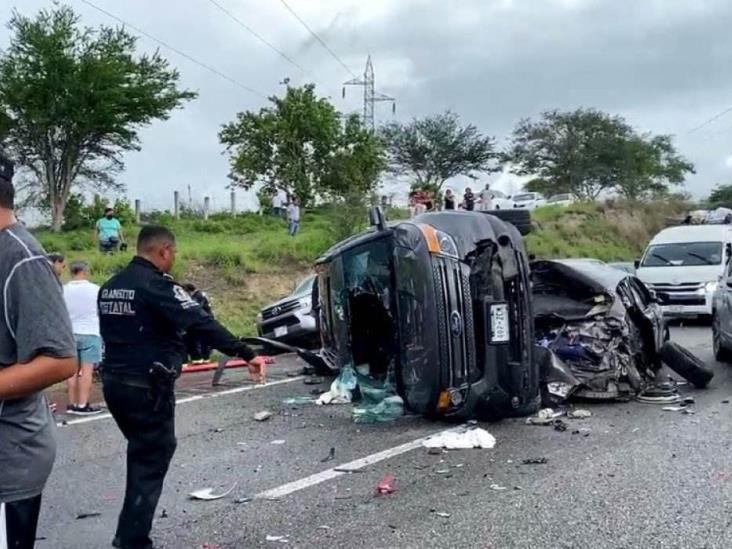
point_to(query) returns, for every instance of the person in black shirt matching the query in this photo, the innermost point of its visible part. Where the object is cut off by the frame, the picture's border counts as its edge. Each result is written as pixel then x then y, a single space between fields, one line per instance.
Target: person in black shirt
pixel 469 199
pixel 449 200
pixel 143 316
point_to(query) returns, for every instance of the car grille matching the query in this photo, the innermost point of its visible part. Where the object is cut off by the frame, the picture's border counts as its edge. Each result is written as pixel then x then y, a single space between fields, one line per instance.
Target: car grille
pixel 681 294
pixel 278 310
pixel 455 321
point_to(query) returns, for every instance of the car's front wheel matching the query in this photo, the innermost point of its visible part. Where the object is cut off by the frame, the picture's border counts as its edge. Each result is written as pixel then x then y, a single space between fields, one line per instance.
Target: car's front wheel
pixel 721 353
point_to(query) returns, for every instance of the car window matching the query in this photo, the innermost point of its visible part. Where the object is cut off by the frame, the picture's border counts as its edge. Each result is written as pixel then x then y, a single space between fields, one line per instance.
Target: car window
pixel 729 269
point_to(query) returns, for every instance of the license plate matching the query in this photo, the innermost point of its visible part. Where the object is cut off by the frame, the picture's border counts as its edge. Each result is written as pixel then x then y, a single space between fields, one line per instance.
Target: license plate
pixel 280 331
pixel 499 323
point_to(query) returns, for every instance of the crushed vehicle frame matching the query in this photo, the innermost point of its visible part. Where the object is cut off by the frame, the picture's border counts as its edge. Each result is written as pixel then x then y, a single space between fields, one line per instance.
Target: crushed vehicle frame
pixel 604 327
pixel 439 307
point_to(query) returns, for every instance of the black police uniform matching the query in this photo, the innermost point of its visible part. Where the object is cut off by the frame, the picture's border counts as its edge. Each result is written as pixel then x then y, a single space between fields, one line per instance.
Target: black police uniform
pixel 144 316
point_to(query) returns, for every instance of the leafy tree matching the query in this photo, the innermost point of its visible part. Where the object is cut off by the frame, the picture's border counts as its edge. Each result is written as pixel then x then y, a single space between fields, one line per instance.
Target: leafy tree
pixel 436 148
pixel 298 144
pixel 721 195
pixel 586 152
pixel 73 99
pixel 647 165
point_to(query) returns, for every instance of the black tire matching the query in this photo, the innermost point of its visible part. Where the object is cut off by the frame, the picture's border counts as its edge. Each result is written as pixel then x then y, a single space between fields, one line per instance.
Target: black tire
pixel 686 364
pixel 721 353
pixel 521 219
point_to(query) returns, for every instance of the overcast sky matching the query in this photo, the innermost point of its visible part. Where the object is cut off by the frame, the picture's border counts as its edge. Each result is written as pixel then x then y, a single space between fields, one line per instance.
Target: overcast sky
pixel 662 64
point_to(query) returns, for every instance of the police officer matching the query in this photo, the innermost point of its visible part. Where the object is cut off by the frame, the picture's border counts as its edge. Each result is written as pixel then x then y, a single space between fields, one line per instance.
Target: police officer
pixel 143 317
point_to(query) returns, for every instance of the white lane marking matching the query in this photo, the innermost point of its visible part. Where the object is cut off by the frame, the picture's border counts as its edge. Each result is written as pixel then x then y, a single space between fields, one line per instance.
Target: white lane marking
pixel 193 398
pixel 329 474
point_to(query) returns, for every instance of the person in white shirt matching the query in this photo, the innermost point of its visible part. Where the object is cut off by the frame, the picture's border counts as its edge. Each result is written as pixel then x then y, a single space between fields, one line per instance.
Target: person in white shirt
pixel 293 217
pixel 81 302
pixel 486 198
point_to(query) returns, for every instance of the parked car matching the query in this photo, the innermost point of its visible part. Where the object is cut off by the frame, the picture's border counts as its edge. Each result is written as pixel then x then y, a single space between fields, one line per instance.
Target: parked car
pixel 501 201
pixel 291 319
pixel 528 201
pixel 605 327
pixel 685 264
pixel 561 199
pixel 627 266
pixel 437 306
pixel 722 317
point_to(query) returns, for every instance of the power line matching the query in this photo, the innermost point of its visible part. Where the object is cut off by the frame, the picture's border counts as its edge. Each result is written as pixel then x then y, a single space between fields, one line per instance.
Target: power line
pixel 258 36
pixel 710 120
pixel 176 50
pixel 318 38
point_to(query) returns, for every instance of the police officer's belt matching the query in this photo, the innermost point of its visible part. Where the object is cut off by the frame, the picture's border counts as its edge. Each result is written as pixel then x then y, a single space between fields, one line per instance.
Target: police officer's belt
pixel 141 381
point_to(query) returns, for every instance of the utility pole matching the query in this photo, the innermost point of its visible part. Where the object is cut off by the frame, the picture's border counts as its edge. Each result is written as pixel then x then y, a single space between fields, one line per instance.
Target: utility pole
pixel 370 95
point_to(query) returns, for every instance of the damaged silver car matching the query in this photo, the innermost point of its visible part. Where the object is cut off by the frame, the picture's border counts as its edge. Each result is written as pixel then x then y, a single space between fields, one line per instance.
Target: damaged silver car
pixel 599 331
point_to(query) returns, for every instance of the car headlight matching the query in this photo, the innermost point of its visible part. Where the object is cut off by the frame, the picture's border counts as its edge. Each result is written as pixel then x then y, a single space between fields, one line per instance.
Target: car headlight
pixel 439 242
pixel 710 286
pixel 306 302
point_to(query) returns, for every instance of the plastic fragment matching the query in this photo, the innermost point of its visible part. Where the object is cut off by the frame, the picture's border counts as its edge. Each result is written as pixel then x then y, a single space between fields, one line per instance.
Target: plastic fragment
pixel 497 487
pixel 387 485
pixel 278 442
pixel 579 414
pixel 207 494
pixel 81 516
pixel 536 461
pixel 264 415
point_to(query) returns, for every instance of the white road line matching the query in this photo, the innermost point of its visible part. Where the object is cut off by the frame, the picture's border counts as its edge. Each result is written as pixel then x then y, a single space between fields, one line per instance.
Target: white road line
pixel 329 474
pixel 193 398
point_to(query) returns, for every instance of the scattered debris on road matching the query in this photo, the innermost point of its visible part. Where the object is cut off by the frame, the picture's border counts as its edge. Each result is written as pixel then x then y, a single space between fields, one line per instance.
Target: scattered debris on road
pixel 386 485
pixel 278 442
pixel 579 414
pixel 280 539
pixel 82 516
pixel 245 499
pixel 440 514
pixel 264 415
pixel 206 494
pixel 330 456
pixel 535 461
pixel 313 380
pixel 498 487
pixel 462 439
pixel 545 416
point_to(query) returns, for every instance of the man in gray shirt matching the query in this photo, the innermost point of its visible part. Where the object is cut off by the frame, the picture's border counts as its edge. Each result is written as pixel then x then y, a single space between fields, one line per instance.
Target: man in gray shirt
pixel 37 349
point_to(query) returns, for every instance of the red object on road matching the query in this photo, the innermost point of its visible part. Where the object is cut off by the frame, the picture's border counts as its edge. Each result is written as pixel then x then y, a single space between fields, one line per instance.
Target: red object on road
pixel 188 368
pixel 386 485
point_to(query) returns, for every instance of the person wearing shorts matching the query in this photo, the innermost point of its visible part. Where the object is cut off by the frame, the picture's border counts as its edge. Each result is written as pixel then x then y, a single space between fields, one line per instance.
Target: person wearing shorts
pixel 81 301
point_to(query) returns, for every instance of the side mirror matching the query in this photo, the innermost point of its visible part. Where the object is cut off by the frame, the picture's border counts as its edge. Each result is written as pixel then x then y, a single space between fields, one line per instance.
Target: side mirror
pixel 636 263
pixel 376 218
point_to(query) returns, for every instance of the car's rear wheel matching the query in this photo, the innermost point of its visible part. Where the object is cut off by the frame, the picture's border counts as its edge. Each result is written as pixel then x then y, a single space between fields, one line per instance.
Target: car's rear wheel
pixel 521 219
pixel 721 353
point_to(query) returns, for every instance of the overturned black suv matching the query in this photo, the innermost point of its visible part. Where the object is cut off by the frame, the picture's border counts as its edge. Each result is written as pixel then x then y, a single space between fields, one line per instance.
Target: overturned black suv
pixel 440 306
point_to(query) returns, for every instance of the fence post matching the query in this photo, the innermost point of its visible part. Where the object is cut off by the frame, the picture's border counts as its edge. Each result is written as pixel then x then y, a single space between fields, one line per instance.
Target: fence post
pixel 206 204
pixel 176 201
pixel 233 202
pixel 137 210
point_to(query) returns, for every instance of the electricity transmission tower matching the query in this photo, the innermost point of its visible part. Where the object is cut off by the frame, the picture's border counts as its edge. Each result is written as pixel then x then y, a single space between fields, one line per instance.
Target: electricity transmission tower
pixel 370 95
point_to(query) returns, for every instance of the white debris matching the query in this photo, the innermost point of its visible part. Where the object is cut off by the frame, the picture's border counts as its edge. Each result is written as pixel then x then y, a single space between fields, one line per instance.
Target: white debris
pixel 208 495
pixel 461 440
pixel 442 515
pixel 497 487
pixel 673 408
pixel 579 414
pixel 545 417
pixel 281 539
pixel 264 415
pixel 278 442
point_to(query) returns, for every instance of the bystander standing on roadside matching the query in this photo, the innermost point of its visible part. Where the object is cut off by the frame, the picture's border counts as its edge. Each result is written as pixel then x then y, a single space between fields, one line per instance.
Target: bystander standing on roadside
pixel 293 217
pixel 468 200
pixel 36 351
pixel 277 204
pixel 486 198
pixel 449 200
pixel 108 232
pixel 81 301
pixel 58 263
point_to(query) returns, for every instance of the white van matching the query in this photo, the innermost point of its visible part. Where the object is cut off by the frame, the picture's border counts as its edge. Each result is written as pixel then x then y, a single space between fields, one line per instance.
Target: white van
pixel 683 265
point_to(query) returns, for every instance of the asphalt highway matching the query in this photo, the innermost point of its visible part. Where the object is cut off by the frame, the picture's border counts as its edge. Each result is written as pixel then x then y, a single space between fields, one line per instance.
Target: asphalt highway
pixel 632 475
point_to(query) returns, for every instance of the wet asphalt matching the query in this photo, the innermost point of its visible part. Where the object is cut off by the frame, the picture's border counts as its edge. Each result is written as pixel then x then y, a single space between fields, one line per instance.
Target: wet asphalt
pixel 632 475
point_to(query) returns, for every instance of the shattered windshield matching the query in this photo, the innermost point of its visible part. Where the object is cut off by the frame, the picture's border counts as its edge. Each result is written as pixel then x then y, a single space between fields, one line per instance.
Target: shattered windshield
pixel 683 254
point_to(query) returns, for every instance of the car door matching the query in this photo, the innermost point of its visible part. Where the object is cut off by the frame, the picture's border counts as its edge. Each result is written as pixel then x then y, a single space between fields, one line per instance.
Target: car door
pixel 724 304
pixel 650 309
